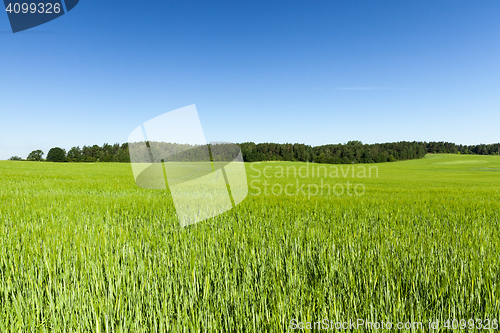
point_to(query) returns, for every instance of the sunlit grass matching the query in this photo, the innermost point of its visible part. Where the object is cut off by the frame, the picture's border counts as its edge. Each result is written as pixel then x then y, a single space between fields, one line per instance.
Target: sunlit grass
pixel 82 248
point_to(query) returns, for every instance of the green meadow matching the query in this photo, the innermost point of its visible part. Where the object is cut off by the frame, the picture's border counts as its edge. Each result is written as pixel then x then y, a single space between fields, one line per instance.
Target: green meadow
pixel 82 248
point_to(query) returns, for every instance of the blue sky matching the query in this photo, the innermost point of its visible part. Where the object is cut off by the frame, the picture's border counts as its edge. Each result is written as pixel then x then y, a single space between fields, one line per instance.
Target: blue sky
pixel 314 72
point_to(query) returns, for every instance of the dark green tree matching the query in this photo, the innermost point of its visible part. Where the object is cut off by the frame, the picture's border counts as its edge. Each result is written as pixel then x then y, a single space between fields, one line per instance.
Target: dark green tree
pixel 35 155
pixel 15 158
pixel 56 155
pixel 75 154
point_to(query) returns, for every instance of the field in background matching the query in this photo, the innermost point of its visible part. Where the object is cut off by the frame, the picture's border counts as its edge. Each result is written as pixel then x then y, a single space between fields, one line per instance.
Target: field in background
pixel 82 248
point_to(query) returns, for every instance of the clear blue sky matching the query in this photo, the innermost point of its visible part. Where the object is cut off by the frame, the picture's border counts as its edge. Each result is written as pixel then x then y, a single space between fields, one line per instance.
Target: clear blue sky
pixel 308 71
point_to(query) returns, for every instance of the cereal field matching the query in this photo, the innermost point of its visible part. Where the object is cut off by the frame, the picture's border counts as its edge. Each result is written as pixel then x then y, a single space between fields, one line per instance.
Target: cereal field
pixel 82 248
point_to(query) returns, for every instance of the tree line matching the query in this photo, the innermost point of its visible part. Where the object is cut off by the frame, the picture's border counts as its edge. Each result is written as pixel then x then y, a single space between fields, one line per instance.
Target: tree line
pixel 95 153
pixel 357 152
pixel 351 152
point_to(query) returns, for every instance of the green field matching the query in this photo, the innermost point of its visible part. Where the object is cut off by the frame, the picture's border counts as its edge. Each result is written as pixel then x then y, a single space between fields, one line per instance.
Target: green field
pixel 82 248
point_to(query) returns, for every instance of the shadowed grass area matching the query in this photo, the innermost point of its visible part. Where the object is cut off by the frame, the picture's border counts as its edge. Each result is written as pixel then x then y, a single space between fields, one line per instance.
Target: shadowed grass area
pixel 82 248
